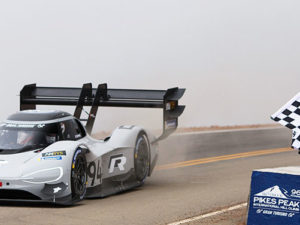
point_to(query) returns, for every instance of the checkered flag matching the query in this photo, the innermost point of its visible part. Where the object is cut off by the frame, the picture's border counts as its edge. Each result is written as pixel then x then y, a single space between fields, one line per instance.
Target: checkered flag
pixel 289 116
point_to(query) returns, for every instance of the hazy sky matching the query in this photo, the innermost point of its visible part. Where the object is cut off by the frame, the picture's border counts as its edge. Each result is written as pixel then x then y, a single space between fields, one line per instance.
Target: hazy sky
pixel 239 60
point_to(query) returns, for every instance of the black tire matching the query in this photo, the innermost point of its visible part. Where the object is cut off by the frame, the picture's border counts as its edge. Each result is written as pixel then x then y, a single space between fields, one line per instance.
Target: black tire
pixel 78 175
pixel 141 157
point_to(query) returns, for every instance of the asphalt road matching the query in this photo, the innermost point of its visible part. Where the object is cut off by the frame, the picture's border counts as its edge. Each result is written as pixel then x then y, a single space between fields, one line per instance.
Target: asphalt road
pixel 175 193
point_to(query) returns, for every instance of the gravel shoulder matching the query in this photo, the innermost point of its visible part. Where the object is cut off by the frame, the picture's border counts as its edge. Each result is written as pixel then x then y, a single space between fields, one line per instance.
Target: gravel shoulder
pixel 235 217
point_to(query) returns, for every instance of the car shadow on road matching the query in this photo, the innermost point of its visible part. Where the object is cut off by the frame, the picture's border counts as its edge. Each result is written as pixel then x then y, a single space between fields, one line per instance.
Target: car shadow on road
pixel 36 204
pixel 55 205
pixel 116 194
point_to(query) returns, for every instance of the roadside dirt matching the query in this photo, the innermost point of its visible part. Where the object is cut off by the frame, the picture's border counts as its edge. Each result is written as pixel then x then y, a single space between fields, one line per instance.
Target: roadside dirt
pixel 212 128
pixel 235 217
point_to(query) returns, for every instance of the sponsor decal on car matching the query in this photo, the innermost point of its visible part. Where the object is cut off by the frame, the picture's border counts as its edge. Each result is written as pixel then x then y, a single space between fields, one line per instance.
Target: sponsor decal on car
pixel 117 161
pixel 51 158
pixel 19 125
pixel 40 125
pixel 56 190
pixel 15 125
pixel 56 153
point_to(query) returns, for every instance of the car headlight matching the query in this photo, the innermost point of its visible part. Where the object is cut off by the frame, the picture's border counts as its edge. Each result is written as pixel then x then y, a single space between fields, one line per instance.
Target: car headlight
pixel 44 176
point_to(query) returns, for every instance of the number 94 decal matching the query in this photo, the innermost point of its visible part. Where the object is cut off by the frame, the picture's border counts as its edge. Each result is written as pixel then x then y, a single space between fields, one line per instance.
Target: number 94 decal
pixel 94 173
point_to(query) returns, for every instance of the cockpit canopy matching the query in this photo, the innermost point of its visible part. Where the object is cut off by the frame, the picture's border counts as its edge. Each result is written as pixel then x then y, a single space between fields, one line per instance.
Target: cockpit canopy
pixel 24 135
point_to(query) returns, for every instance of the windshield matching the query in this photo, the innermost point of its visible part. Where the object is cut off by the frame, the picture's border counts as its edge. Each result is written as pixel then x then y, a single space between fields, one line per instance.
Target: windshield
pixel 24 137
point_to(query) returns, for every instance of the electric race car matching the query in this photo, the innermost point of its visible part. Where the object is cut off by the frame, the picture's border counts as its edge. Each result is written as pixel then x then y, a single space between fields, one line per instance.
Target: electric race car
pixel 49 156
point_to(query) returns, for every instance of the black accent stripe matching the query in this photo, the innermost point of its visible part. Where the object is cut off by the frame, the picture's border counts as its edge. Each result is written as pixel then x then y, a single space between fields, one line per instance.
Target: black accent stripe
pixel 17 195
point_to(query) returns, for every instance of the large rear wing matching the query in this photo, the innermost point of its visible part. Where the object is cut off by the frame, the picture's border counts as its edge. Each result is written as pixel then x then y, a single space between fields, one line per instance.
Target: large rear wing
pixel 31 95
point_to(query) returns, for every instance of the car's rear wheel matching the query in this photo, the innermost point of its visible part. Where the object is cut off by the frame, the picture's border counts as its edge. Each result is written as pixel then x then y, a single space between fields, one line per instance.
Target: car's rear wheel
pixel 141 157
pixel 78 175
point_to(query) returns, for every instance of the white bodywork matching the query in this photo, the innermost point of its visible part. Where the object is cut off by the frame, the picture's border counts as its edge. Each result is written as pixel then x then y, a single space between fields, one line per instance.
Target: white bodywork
pixel 48 178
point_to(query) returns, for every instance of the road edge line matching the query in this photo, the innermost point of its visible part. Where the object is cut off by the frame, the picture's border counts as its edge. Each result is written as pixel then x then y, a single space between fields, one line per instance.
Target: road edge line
pixel 195 218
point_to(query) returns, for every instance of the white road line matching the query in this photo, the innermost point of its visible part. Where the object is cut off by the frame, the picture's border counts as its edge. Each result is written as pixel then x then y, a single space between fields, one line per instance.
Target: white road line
pixel 209 214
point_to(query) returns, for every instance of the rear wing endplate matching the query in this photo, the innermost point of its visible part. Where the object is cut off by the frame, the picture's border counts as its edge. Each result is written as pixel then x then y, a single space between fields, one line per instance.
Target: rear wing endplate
pixel 31 95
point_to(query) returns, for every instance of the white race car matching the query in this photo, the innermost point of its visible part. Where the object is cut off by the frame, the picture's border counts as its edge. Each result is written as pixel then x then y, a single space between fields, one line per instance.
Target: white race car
pixel 50 156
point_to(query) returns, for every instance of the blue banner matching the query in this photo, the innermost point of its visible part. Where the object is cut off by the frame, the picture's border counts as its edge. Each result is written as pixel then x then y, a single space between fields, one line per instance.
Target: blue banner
pixel 274 199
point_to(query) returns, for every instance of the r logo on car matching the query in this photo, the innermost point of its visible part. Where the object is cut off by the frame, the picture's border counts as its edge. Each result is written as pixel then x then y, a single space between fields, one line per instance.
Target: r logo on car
pixel 117 161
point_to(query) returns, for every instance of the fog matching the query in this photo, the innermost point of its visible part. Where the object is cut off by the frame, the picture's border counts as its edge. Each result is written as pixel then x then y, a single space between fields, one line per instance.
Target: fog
pixel 238 60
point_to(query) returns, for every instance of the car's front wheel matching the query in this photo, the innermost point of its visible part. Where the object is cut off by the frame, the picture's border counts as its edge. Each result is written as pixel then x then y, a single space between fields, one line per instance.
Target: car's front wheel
pixel 78 175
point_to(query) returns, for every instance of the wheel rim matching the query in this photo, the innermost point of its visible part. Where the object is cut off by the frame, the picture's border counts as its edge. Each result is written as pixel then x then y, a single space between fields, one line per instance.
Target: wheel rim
pixel 79 177
pixel 141 159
